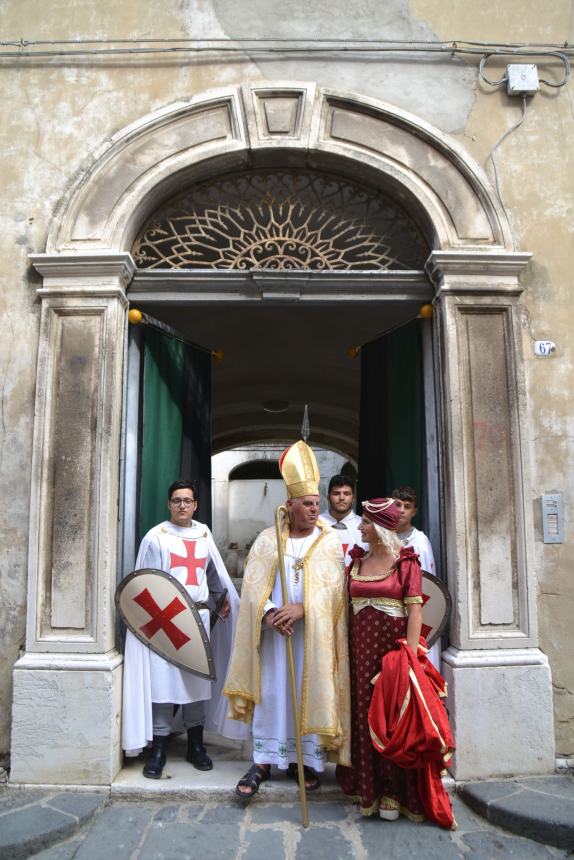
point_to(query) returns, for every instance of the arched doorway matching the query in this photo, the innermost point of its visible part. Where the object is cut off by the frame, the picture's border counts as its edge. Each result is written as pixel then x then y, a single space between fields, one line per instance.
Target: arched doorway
pixel 279 349
pixel 474 271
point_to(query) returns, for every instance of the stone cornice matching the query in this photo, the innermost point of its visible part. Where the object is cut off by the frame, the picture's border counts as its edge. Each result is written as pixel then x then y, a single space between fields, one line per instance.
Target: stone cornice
pixel 178 285
pixel 100 273
pixel 475 270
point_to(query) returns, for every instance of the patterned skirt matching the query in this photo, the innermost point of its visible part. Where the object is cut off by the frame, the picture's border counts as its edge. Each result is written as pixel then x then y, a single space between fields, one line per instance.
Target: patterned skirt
pixel 371 779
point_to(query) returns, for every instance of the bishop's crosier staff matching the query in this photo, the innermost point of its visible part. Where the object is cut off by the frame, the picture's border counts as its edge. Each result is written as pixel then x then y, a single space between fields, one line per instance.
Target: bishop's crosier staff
pixel 282 515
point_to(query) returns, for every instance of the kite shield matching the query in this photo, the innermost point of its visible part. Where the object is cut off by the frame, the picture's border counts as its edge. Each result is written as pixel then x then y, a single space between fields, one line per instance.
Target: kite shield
pixel 437 605
pixel 161 614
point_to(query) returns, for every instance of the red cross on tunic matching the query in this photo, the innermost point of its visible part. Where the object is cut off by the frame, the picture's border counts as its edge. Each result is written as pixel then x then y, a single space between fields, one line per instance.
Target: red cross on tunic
pixel 189 561
pixel 161 618
pixel 345 548
pixel 425 629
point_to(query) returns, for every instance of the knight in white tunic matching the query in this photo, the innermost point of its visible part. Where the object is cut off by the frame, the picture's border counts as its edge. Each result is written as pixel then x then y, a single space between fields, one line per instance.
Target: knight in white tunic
pixel 152 686
pixel 341 516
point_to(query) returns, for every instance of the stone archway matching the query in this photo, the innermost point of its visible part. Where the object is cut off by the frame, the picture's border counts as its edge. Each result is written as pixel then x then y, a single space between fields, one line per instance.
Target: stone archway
pixel 86 271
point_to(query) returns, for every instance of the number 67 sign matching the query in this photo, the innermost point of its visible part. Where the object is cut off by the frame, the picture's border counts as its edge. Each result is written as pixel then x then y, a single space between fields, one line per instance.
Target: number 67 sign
pixel 544 347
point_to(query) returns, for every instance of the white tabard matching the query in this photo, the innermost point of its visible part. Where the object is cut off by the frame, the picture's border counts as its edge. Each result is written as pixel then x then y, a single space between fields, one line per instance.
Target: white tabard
pixel 421 545
pixel 184 553
pixel 347 531
pixel 273 732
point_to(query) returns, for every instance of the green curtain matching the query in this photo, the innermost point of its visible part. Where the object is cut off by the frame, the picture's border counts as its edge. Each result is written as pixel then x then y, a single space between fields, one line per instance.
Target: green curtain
pixel 196 433
pixel 164 387
pixel 392 432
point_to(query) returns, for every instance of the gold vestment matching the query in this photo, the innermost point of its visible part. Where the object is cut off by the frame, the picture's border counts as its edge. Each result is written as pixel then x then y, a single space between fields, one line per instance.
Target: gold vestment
pixel 325 694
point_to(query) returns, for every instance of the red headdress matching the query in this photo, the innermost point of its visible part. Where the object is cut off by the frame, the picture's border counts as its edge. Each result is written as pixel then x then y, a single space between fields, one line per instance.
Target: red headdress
pixel 382 512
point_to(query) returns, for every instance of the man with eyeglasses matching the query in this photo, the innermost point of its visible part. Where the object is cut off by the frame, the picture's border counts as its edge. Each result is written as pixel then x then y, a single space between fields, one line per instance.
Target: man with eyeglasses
pixel 155 689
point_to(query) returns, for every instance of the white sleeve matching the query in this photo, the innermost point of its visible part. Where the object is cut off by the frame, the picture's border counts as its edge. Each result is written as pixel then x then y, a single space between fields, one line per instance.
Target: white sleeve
pixel 268 607
pixel 222 637
pixel 149 554
pixel 425 552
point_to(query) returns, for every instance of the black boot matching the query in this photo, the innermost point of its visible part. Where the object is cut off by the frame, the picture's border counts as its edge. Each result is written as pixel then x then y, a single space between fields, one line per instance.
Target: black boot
pixel 196 752
pixel 156 762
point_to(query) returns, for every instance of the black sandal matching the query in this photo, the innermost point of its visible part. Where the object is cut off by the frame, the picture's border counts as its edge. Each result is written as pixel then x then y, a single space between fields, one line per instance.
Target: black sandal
pixel 310 776
pixel 256 774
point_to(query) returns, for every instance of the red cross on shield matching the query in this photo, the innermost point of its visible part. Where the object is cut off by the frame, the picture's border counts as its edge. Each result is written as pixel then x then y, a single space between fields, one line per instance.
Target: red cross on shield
pixel 161 619
pixel 426 628
pixel 436 608
pixel 161 614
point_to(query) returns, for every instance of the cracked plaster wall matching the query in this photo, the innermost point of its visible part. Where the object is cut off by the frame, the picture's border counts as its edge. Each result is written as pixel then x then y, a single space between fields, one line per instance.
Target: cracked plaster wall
pixel 58 111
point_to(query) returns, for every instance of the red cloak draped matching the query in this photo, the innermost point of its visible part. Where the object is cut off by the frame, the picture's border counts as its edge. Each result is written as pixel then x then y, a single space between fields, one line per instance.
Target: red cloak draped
pixel 409 725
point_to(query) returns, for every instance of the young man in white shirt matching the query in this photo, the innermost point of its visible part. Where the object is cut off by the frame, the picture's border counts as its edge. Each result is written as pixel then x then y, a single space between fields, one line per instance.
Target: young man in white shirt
pixel 341 516
pixel 406 501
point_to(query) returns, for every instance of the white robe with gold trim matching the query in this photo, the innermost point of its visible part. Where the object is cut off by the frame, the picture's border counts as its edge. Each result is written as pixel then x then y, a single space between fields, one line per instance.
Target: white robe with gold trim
pixel 257 684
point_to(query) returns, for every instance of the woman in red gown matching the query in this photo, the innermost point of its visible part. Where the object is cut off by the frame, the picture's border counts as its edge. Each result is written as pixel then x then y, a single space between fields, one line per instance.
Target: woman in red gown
pixel 385 587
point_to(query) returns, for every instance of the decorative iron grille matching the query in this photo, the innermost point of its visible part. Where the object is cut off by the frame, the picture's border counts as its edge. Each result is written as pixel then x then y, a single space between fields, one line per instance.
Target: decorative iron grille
pixel 281 220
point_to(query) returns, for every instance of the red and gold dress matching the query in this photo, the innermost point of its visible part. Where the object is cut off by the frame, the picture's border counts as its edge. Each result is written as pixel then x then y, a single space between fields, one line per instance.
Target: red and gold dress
pixel 378 620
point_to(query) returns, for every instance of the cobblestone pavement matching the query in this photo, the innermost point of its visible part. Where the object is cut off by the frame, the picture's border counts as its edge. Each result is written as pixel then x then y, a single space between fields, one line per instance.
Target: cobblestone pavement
pixel 176 831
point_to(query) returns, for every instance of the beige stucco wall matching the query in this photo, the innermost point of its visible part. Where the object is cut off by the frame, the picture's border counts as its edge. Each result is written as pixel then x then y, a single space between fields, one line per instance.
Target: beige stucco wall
pixel 536 171
pixel 58 111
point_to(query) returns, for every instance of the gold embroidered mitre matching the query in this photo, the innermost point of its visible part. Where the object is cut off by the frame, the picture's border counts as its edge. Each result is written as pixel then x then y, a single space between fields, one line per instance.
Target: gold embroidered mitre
pixel 300 471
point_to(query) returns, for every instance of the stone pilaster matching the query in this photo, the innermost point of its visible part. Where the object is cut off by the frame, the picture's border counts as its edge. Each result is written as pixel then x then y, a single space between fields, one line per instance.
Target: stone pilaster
pixel 67 686
pixel 500 687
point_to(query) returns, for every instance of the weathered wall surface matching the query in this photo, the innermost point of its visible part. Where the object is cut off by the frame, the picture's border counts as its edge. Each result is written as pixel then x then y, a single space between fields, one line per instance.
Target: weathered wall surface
pixel 59 110
pixel 536 172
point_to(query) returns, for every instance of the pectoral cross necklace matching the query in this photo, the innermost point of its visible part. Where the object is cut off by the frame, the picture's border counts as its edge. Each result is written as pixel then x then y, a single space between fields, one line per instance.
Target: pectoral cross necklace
pixel 298 556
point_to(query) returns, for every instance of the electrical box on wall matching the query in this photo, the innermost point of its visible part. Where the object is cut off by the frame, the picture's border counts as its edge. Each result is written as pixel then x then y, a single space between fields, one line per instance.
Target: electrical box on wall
pixel 522 79
pixel 552 518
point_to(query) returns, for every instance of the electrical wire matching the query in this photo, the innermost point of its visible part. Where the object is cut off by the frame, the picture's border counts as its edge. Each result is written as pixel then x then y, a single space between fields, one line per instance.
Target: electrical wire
pixel 483 77
pixel 556 54
pixel 279 45
pixel 500 140
pixel 567 72
pixel 268 40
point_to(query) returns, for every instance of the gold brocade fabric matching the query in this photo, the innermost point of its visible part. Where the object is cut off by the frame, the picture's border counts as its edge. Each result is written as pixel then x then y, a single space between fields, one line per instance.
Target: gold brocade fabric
pixel 396 608
pixel 325 693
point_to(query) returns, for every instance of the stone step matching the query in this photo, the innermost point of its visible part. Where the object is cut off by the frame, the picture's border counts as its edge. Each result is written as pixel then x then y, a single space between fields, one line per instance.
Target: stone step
pixel 180 781
pixel 33 820
pixel 231 759
pixel 538 807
